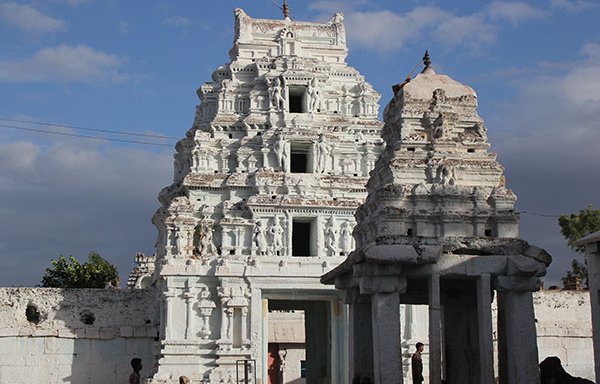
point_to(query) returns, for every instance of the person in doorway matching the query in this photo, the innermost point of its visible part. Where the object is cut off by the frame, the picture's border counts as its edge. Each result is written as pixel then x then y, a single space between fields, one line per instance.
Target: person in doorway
pixel 416 363
pixel 136 364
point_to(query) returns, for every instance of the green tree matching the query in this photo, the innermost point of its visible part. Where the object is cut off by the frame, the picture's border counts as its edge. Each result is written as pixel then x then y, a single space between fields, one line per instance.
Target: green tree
pixel 577 225
pixel 578 272
pixel 573 227
pixel 70 273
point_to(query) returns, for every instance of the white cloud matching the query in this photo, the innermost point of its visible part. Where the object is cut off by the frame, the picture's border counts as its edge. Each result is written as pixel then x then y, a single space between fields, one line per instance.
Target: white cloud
pixel 471 30
pixel 547 137
pixel 28 19
pixel 573 5
pixel 582 84
pixel 85 197
pixel 385 31
pixel 514 11
pixel 176 21
pixel 64 64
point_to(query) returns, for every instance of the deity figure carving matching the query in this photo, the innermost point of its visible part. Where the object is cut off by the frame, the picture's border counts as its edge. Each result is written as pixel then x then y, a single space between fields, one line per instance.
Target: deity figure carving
pixel 322 151
pixel 437 128
pixel 314 96
pixel 282 151
pixel 205 242
pixel 260 240
pixel 445 174
pixel 180 240
pixel 276 231
pixel 330 238
pixel 277 94
pixel 346 238
pixel 439 97
pixel 361 89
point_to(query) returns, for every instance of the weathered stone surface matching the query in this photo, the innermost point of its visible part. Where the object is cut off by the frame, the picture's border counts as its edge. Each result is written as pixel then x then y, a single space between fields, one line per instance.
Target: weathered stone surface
pixel 61 348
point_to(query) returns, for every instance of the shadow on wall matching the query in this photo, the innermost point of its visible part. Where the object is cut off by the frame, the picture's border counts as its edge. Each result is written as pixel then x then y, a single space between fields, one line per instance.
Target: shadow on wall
pixel 52 335
pixel 552 372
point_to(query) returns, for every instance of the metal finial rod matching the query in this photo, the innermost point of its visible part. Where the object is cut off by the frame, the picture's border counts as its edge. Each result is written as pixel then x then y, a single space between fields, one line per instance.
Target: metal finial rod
pixel 426 60
pixel 286 10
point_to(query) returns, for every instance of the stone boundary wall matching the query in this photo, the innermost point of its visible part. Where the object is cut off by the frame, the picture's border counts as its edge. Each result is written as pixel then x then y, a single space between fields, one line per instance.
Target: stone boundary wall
pixel 50 335
pixel 90 335
pixel 564 329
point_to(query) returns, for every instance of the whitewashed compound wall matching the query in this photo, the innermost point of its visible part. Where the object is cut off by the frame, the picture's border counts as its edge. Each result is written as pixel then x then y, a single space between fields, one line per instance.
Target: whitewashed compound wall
pixel 564 329
pixel 81 335
pixel 62 348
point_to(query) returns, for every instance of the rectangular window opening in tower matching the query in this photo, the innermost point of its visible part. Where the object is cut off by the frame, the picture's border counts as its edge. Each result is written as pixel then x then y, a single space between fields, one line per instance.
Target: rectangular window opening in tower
pixel 302 237
pixel 297 99
pixel 299 158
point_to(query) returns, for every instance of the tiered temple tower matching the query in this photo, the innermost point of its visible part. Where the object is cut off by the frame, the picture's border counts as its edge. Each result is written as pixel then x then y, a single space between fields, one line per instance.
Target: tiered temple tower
pixel 439 227
pixel 267 181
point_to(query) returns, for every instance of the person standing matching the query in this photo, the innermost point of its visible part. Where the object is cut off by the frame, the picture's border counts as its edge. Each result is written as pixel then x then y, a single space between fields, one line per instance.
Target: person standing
pixel 136 364
pixel 417 364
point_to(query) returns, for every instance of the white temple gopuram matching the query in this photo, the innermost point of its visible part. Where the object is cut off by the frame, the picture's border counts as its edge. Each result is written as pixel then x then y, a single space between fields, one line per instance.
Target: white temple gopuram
pixel 304 242
pixel 267 181
pixel 439 228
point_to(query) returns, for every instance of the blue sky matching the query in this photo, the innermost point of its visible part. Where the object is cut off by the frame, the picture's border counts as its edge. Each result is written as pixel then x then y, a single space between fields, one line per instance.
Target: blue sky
pixel 135 66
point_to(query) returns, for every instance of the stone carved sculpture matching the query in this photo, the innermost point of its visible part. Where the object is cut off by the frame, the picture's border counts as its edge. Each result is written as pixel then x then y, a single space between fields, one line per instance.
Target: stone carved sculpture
pixel 445 174
pixel 314 96
pixel 282 151
pixel 205 242
pixel 206 306
pixel 322 151
pixel 180 240
pixel 277 94
pixel 346 238
pixel 277 232
pixel 330 238
pixel 437 128
pixel 260 241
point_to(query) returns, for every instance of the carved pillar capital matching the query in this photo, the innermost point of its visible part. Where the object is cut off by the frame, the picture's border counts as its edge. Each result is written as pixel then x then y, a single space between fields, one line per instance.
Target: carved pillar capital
pixel 517 284
pixel 381 284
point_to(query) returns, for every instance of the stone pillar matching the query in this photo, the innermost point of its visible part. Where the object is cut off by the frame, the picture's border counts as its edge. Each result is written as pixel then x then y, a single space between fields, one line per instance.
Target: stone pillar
pixel 317 325
pixel 244 329
pixel 484 318
pixel 169 296
pixel 435 330
pixel 517 340
pixel 189 295
pixel 591 243
pixel 387 354
pixel 361 345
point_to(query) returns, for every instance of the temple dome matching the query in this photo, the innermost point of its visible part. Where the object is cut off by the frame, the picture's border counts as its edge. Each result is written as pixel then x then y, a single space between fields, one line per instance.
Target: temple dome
pixel 423 85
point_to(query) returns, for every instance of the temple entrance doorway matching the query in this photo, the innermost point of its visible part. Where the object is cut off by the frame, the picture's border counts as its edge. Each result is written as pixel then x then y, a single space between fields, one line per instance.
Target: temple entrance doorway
pixel 302 341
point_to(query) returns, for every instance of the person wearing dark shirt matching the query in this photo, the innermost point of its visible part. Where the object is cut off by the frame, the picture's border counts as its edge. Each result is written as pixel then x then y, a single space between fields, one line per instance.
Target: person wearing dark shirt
pixel 417 364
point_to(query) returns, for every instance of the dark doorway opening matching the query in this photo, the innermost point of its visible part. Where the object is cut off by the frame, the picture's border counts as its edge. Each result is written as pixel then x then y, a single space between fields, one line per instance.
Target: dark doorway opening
pixel 301 238
pixel 298 162
pixel 299 157
pixel 296 99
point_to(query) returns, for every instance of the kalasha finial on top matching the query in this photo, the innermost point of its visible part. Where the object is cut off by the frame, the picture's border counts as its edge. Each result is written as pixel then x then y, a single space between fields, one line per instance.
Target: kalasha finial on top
pixel 286 10
pixel 426 60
